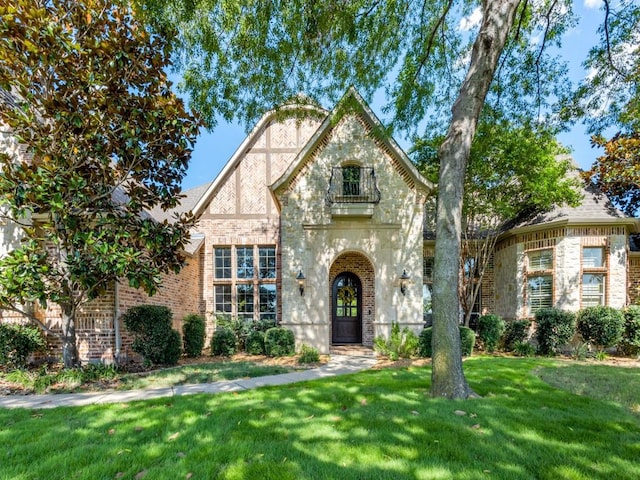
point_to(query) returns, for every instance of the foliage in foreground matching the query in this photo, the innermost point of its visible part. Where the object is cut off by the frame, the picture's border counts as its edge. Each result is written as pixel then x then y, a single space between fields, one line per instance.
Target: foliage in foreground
pixel 104 138
pixel 376 424
pixel 279 342
pixel 490 331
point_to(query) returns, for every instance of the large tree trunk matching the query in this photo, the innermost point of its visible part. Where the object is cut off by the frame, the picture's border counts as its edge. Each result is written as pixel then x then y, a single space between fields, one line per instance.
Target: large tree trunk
pixel 447 376
pixel 70 355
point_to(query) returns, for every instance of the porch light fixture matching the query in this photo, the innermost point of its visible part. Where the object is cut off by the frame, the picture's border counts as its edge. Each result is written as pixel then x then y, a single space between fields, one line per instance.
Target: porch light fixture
pixel 300 278
pixel 403 282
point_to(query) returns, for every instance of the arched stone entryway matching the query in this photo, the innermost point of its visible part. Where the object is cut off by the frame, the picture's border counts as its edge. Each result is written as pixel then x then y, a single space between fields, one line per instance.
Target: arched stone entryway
pixel 352 269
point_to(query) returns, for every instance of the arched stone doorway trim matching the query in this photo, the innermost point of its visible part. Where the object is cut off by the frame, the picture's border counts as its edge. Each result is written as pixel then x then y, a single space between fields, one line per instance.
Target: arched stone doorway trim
pixel 353 323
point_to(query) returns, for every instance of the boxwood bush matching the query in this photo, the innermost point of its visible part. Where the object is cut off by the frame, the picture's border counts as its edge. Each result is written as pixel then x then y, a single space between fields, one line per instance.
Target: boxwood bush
pixel 490 330
pixel 193 332
pixel 153 337
pixel 630 343
pixel 467 341
pixel 18 343
pixel 254 343
pixel 223 342
pixel 515 332
pixel 279 342
pixel 554 328
pixel 601 326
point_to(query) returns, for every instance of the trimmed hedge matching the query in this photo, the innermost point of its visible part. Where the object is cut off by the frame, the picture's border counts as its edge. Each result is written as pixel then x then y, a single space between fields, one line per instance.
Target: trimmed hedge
pixel 18 343
pixel 515 333
pixel 153 337
pixel 223 342
pixel 279 342
pixel 630 343
pixel 193 331
pixel 467 341
pixel 490 330
pixel 554 328
pixel 254 344
pixel 602 326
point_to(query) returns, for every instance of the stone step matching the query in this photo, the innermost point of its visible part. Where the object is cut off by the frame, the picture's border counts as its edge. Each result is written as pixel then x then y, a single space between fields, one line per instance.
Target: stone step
pixel 352 351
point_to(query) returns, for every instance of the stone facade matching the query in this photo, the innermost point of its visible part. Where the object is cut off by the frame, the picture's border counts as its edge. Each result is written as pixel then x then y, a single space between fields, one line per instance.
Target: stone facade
pixel 277 243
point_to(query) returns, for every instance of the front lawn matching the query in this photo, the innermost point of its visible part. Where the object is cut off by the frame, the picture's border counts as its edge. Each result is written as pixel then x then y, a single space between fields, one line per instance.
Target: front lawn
pixel 378 424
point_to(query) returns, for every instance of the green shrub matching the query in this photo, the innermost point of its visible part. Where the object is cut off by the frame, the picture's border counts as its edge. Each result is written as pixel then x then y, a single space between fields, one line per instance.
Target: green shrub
pixel 630 343
pixel 401 344
pixel 239 326
pixel 554 328
pixel 18 343
pixel 308 355
pixel 601 326
pixel 193 332
pixel 523 349
pixel 490 330
pixel 223 342
pixel 467 341
pixel 153 337
pixel 515 331
pixel 279 342
pixel 254 344
pixel 262 325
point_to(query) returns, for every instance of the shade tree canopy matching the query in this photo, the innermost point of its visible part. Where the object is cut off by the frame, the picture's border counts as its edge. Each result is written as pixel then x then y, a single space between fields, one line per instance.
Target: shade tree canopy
pixel 103 140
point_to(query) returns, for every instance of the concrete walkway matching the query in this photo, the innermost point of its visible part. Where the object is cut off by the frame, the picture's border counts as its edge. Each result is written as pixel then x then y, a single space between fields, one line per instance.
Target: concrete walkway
pixel 337 365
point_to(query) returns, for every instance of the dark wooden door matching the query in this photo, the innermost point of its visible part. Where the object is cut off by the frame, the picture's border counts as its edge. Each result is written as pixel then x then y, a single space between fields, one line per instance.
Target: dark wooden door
pixel 346 309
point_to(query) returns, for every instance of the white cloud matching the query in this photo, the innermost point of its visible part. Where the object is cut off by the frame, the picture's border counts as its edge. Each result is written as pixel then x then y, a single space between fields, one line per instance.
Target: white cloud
pixel 592 3
pixel 472 21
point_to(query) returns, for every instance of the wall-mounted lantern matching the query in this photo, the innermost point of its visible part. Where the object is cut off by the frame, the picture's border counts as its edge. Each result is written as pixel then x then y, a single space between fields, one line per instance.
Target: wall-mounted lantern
pixel 300 278
pixel 403 282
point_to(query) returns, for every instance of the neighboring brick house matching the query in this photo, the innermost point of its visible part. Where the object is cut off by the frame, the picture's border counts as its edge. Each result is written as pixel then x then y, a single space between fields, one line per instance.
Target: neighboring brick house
pixel 318 221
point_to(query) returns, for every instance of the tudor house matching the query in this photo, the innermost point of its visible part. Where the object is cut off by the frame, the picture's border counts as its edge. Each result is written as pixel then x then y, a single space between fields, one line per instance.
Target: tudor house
pixel 319 220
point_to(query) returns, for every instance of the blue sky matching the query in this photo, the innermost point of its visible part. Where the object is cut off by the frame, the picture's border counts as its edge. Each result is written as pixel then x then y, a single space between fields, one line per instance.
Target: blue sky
pixel 214 149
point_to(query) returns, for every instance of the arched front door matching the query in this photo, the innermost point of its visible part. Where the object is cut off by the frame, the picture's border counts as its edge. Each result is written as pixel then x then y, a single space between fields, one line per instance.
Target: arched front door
pixel 346 311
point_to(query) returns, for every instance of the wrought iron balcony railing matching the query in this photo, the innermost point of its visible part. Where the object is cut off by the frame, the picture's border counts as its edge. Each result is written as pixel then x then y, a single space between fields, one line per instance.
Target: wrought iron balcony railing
pixel 353 185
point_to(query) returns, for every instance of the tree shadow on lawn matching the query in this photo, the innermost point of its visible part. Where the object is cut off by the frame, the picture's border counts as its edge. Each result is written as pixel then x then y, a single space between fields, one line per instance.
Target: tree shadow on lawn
pixel 376 424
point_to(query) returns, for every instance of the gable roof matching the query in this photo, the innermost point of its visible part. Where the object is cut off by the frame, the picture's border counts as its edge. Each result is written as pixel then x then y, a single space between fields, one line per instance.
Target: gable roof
pixel 300 109
pixel 351 102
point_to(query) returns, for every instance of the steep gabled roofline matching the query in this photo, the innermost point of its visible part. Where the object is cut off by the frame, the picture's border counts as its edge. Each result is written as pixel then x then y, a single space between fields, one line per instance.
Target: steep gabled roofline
pixel 351 101
pixel 237 156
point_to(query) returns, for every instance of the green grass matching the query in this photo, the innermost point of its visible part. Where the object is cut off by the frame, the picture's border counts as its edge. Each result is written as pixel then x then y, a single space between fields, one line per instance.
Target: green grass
pixel 372 425
pixel 610 384
pixel 104 378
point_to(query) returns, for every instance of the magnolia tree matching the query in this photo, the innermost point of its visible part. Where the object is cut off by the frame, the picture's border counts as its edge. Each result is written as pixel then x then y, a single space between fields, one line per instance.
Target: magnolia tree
pixel 102 141
pixel 438 63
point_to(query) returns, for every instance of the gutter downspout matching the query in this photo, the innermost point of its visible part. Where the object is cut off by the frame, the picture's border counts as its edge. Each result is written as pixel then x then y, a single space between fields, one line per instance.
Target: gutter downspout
pixel 116 321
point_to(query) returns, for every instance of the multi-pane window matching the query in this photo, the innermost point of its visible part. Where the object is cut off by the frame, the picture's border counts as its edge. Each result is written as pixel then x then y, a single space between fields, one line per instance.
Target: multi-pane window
pixel 539 279
pixel 427 269
pixel 267 301
pixel 222 262
pixel 593 276
pixel 427 311
pixel 540 260
pixel 244 301
pixel 592 257
pixel 539 292
pixel 267 257
pixel 244 285
pixel 592 289
pixel 222 298
pixel 351 181
pixel 244 259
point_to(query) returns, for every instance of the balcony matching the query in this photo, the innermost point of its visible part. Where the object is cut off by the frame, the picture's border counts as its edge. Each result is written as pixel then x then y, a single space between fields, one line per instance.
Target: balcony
pixel 353 191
